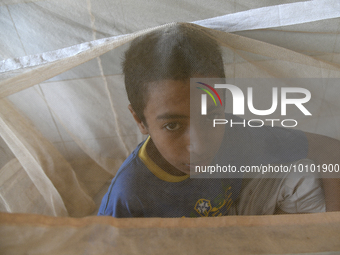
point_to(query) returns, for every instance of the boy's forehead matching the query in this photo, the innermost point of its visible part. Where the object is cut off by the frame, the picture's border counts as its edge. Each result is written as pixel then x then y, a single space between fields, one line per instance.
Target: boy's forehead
pixel 168 99
pixel 167 92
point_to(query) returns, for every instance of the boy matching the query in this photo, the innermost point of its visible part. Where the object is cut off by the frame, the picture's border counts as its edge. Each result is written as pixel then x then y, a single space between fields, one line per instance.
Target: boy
pixel 154 180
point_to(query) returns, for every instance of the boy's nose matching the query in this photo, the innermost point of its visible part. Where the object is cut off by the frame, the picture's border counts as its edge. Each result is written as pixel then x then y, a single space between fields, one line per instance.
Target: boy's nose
pixel 197 144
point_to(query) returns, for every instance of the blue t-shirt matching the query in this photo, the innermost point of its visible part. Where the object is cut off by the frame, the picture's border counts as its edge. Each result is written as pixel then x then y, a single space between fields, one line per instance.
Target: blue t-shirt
pixel 141 189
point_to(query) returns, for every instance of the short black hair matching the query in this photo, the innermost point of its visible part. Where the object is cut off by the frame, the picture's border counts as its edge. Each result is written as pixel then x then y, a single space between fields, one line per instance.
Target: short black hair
pixel 178 51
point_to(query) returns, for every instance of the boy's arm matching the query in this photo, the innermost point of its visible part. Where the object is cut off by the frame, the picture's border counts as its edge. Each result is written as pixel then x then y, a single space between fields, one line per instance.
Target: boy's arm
pixel 326 150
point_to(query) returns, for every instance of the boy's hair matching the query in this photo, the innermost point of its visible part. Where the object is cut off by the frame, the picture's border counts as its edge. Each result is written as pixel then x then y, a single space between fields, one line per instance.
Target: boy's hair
pixel 177 52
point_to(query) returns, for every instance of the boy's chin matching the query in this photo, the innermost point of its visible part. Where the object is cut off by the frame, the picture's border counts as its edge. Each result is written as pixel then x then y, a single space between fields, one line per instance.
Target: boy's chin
pixel 184 169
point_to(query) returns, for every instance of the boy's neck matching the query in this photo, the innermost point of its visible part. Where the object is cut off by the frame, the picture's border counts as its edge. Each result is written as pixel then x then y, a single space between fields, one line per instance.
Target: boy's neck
pixel 156 157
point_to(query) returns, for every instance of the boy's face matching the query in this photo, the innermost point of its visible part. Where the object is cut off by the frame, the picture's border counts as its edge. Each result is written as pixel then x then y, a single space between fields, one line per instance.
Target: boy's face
pixel 183 140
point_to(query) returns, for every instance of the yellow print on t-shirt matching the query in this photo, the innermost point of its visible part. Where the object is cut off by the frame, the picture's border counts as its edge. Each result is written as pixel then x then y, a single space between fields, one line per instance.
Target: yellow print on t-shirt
pixel 218 207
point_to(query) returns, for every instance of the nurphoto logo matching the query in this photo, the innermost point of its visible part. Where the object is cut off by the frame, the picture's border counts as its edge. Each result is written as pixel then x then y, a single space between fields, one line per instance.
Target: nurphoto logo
pixel 238 104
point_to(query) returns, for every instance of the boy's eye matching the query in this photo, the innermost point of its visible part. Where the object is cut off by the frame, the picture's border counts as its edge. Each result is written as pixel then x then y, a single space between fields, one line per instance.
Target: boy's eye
pixel 172 126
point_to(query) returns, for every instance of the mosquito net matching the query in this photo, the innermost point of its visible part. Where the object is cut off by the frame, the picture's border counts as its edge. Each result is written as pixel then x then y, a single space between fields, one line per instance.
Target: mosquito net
pixel 65 126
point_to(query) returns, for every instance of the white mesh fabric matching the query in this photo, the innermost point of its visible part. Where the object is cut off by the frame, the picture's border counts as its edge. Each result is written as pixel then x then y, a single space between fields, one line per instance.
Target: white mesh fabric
pixel 64 110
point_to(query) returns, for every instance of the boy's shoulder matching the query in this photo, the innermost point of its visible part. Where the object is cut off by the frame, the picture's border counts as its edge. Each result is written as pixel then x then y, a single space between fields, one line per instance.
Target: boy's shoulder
pixel 132 171
pixel 128 181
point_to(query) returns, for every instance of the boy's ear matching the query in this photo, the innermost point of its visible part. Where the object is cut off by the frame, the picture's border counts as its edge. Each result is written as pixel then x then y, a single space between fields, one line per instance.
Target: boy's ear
pixel 140 123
